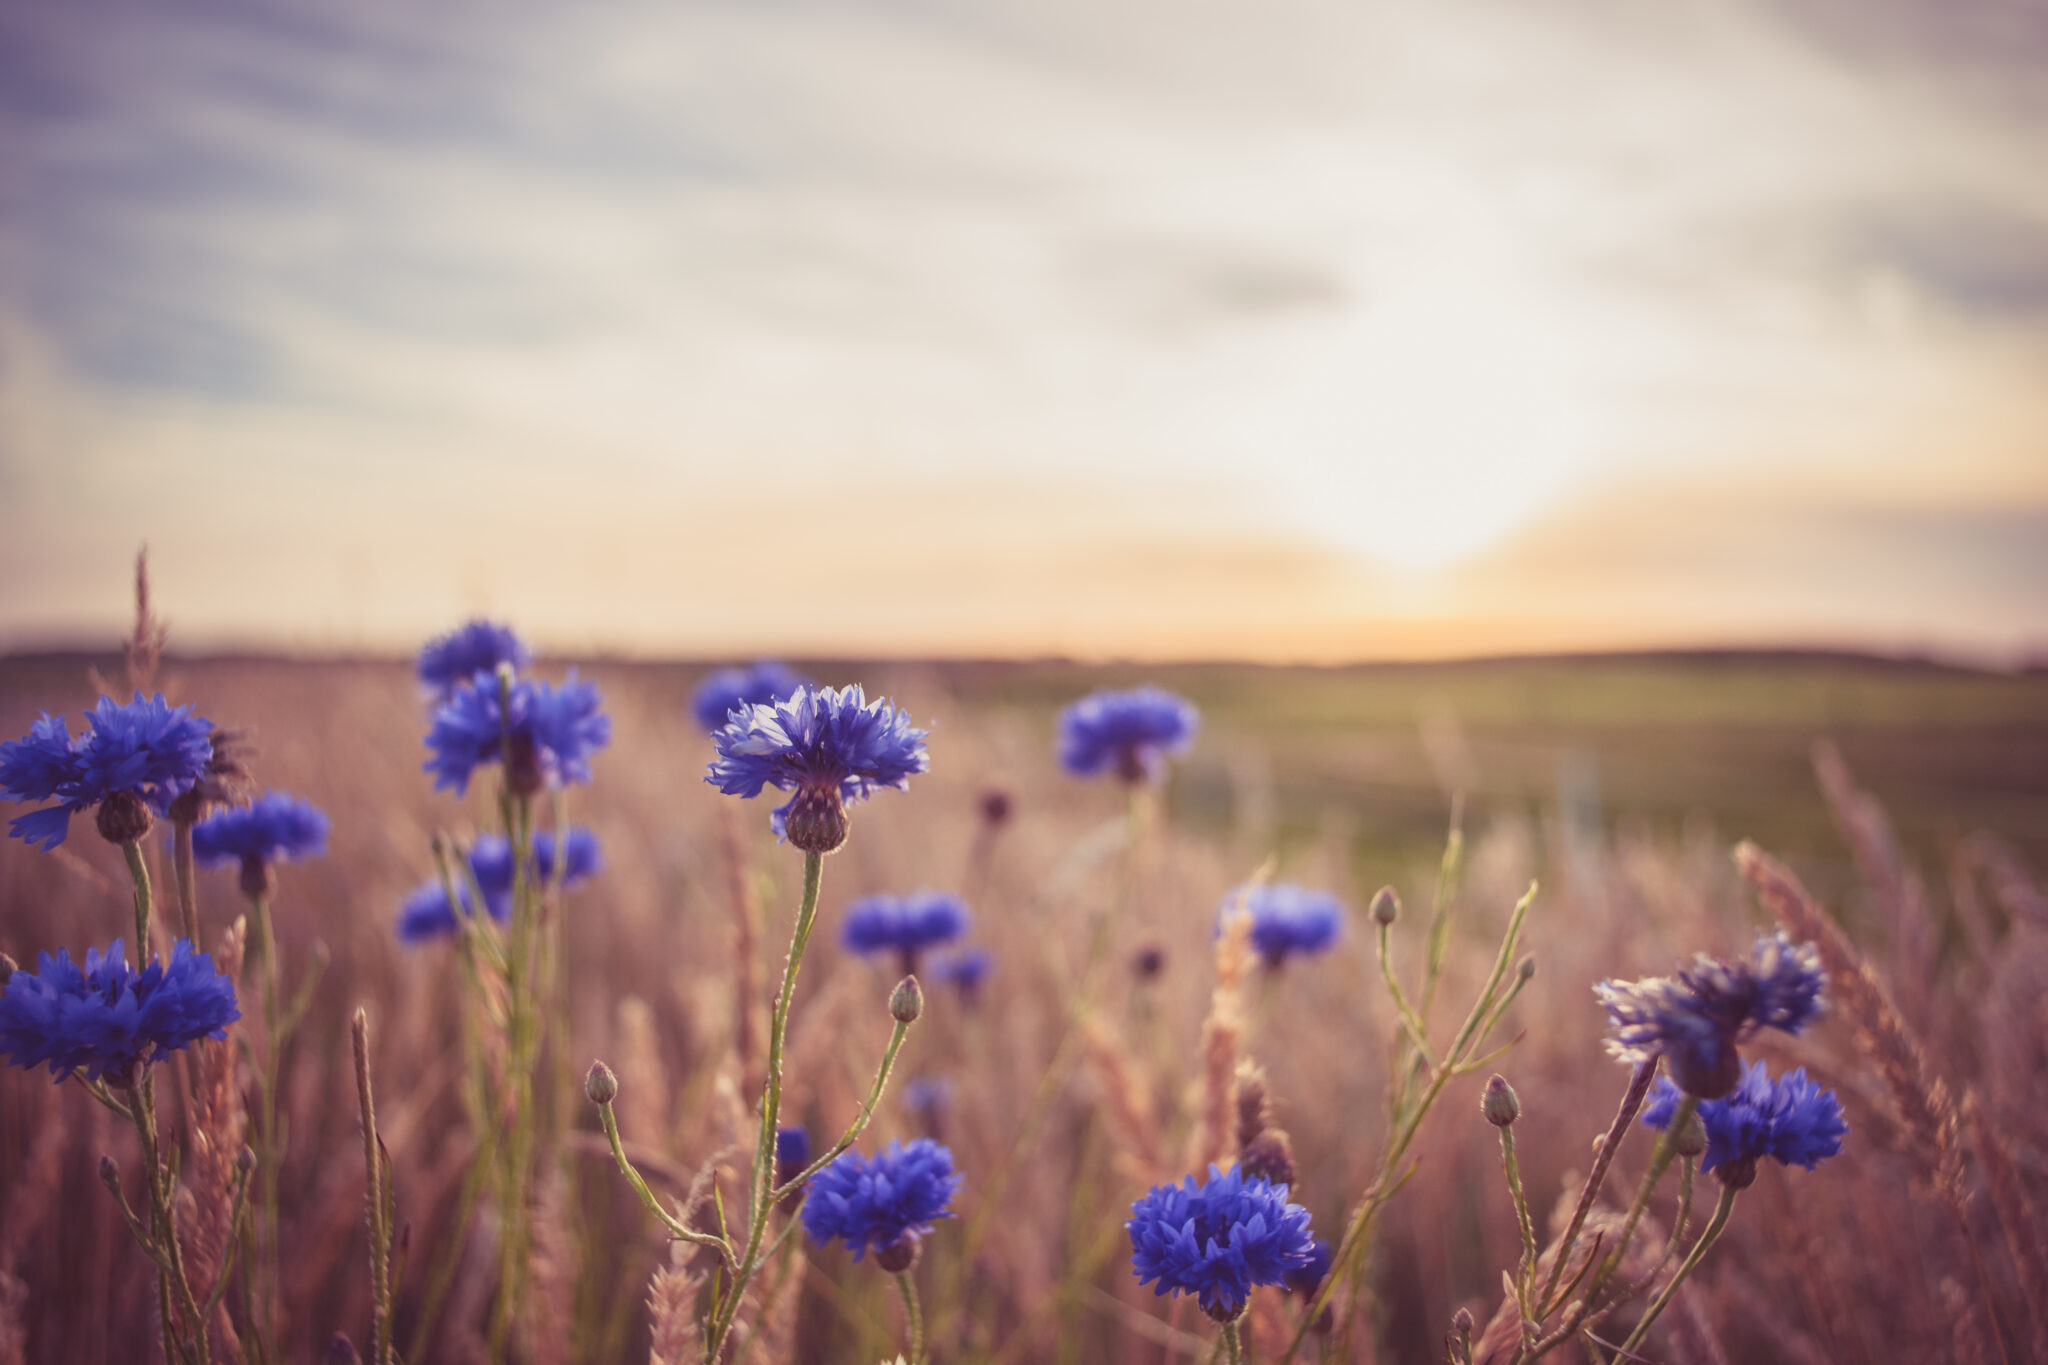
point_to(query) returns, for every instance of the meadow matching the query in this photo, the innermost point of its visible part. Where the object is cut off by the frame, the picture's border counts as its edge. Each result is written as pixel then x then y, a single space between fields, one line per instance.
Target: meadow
pixel 1909 799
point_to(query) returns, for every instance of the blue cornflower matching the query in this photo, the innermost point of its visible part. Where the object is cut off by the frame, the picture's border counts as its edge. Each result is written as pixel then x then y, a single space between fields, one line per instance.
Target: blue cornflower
pixel 1695 1017
pixel 965 970
pixel 134 759
pixel 490 862
pixel 1307 1278
pixel 906 925
pixel 109 1019
pixel 274 828
pixel 829 746
pixel 1287 919
pixel 544 733
pixel 1129 733
pixel 453 659
pixel 425 915
pixel 1791 1120
pixel 1218 1239
pixel 885 1205
pixel 735 689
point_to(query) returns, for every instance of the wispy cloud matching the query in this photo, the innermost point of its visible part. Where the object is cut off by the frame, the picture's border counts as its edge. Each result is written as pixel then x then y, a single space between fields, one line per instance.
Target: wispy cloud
pixel 1363 293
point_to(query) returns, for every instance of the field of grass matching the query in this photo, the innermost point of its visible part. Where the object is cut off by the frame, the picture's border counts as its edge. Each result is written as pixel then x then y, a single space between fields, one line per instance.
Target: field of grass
pixel 1911 799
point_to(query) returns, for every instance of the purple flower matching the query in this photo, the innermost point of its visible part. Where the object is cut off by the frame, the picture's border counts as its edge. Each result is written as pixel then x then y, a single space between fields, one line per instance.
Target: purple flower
pixel 545 734
pixel 108 1018
pixel 964 970
pixel 453 659
pixel 884 1205
pixel 426 915
pixel 274 828
pixel 735 689
pixel 1791 1120
pixel 907 925
pixel 1695 1017
pixel 1129 733
pixel 1218 1239
pixel 831 747
pixel 1288 919
pixel 140 757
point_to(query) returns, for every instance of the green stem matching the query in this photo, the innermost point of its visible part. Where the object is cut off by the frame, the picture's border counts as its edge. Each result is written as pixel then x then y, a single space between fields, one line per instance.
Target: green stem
pixel 1233 1348
pixel 761 1186
pixel 373 1171
pixel 676 1227
pixel 138 872
pixel 1522 1220
pixel 188 889
pixel 908 1289
pixel 523 1025
pixel 1660 1162
pixel 1631 1102
pixel 163 1219
pixel 268 1150
pixel 859 1124
pixel 1699 1250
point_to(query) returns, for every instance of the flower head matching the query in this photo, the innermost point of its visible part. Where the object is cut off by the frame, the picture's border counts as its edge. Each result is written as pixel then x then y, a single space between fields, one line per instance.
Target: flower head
pixel 1695 1017
pixel 453 659
pixel 883 1204
pixel 831 747
pixel 736 689
pixel 1129 733
pixel 132 760
pixel 1307 1278
pixel 965 970
pixel 544 733
pixel 906 925
pixel 1791 1120
pixel 1288 919
pixel 1218 1239
pixel 426 915
pixel 107 1018
pixel 274 828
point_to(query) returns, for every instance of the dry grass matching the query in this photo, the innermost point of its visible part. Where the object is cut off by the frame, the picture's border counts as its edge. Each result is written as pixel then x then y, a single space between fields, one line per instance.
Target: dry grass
pixel 1853 1262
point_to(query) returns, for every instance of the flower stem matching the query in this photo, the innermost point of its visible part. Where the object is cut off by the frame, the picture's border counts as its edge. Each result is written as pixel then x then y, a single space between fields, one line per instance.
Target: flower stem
pixel 1631 1102
pixel 188 890
pixel 138 872
pixel 762 1182
pixel 1522 1220
pixel 380 1238
pixel 908 1289
pixel 1699 1250
pixel 1660 1162
pixel 268 1151
pixel 1233 1348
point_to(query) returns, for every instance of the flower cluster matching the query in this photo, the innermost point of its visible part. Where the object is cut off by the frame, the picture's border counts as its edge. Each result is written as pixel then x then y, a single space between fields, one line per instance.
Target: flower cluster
pixel 1791 1120
pixel 884 1205
pixel 109 1019
pixel 829 746
pixel 273 828
pixel 451 660
pixel 1129 733
pixel 542 733
pixel 133 760
pixel 1695 1017
pixel 1287 920
pixel 426 914
pixel 1218 1239
pixel 736 689
pixel 903 924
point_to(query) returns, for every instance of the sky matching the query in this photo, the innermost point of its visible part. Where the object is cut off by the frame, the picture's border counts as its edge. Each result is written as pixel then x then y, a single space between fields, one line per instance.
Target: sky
pixel 1281 329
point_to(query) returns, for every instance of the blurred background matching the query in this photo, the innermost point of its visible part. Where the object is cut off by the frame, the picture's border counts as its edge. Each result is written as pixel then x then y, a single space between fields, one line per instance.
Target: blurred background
pixel 1289 331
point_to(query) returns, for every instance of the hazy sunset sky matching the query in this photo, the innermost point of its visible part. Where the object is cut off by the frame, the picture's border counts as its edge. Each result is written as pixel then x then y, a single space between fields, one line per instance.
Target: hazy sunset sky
pixel 1276 329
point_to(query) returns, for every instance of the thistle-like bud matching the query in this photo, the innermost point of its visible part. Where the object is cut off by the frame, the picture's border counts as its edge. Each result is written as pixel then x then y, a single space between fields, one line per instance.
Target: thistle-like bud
pixel 1461 1323
pixel 899 1256
pixel 1270 1155
pixel 997 805
pixel 1386 906
pixel 1500 1104
pixel 123 819
pixel 1690 1139
pixel 523 771
pixel 816 821
pixel 906 1002
pixel 342 1351
pixel 1218 1313
pixel 8 967
pixel 259 880
pixel 1148 961
pixel 110 1174
pixel 1526 968
pixel 245 1160
pixel 1737 1175
pixel 600 1084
